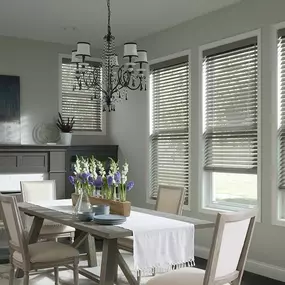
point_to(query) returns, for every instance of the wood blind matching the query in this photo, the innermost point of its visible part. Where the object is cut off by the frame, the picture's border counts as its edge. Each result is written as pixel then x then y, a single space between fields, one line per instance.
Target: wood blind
pixel 78 103
pixel 169 141
pixel 230 83
pixel 281 91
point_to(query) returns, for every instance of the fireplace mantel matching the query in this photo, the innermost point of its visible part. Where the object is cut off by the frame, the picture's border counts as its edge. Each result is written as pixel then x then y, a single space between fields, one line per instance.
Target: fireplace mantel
pixel 54 160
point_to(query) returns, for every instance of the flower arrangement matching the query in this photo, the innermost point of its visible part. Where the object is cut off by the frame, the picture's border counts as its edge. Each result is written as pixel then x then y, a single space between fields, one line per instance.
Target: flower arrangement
pixel 91 176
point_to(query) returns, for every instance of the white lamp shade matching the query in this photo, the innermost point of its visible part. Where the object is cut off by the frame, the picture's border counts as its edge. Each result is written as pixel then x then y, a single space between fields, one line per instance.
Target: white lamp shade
pixel 130 49
pixel 142 56
pixel 114 60
pixel 83 49
pixel 74 58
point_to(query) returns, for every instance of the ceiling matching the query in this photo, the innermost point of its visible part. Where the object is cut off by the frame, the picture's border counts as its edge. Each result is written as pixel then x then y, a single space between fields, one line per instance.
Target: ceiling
pixel 68 21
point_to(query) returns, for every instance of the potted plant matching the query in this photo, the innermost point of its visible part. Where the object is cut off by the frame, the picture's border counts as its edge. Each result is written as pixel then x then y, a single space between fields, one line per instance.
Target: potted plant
pixel 65 127
pixel 103 187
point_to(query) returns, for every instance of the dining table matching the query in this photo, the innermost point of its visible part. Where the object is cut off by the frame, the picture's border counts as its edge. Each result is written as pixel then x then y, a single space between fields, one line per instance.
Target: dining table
pixel 60 211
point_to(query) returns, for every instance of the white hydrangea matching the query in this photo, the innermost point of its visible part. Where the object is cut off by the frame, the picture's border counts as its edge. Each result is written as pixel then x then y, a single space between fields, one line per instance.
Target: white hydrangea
pixel 77 166
pixel 93 167
pixel 101 169
pixel 125 170
pixel 85 165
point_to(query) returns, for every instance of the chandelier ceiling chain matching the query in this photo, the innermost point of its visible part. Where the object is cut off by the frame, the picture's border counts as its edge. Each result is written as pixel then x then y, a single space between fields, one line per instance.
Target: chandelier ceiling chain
pixel 110 81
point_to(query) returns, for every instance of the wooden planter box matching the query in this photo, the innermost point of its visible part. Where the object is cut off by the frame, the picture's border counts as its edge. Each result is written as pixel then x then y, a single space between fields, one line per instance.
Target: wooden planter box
pixel 116 207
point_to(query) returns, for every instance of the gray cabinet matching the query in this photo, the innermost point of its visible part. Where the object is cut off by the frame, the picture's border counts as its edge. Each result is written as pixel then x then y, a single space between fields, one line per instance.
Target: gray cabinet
pixel 36 162
pixel 33 162
pixel 8 161
pixel 57 172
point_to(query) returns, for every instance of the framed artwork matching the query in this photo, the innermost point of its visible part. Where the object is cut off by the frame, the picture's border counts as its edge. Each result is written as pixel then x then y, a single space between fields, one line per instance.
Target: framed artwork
pixel 10 116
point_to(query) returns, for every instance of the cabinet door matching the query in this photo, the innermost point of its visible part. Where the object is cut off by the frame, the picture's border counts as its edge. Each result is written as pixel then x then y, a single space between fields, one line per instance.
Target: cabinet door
pixel 33 162
pixel 8 162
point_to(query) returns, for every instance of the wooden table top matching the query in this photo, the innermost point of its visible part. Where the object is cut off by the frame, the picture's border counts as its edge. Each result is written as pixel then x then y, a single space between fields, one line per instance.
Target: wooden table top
pixel 107 232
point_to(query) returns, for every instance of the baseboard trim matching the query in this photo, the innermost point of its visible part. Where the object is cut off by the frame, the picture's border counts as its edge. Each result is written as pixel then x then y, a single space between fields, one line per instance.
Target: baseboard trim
pixel 260 268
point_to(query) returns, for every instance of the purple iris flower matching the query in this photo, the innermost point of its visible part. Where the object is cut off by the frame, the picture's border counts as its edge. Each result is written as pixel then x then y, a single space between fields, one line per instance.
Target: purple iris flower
pixel 117 177
pixel 110 181
pixel 130 185
pixel 71 179
pixel 98 182
pixel 90 180
pixel 85 176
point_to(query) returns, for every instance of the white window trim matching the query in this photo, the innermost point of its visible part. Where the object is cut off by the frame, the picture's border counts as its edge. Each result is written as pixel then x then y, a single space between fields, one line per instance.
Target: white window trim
pixel 149 115
pixel 278 197
pixel 204 205
pixel 80 133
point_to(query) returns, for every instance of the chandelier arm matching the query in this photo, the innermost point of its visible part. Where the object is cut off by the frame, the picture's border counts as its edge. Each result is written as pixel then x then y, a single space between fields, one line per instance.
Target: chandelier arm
pixel 127 83
pixel 119 83
pixel 137 87
pixel 94 83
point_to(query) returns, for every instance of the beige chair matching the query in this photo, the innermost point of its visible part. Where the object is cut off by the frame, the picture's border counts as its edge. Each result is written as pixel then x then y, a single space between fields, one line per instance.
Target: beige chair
pixel 228 254
pixel 170 199
pixel 35 191
pixel 33 256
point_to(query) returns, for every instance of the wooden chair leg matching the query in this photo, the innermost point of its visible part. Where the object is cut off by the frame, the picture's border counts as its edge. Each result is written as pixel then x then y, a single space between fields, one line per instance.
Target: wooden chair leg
pixel 56 279
pixel 139 276
pixel 75 271
pixel 72 236
pixel 26 278
pixel 11 276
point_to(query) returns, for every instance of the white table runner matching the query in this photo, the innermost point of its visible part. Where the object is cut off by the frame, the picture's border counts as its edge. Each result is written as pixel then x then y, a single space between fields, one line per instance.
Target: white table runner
pixel 159 242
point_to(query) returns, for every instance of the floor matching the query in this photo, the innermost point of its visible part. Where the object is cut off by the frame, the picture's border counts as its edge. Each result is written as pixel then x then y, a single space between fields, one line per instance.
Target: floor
pixel 45 277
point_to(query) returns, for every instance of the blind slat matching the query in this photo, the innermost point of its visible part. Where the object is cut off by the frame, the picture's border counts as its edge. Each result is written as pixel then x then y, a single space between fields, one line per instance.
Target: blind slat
pixel 169 142
pixel 281 131
pixel 78 103
pixel 230 86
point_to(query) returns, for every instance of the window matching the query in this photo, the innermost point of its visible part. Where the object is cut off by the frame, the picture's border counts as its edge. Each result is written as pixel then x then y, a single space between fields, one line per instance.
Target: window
pixel 77 103
pixel 169 139
pixel 230 92
pixel 281 120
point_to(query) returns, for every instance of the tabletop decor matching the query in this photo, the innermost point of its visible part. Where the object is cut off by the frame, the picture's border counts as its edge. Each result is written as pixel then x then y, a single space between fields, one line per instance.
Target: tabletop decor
pixel 65 126
pixel 101 186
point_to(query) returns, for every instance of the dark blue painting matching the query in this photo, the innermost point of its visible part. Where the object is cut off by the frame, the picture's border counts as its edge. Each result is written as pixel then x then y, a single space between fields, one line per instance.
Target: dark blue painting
pixel 10 117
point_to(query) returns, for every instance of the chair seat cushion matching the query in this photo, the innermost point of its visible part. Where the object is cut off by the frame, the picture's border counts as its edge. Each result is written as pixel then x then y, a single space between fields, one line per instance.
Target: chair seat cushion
pixel 49 251
pixel 126 243
pixel 184 276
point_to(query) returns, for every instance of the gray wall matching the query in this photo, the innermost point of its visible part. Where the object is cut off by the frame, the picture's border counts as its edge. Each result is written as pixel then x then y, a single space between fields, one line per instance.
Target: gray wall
pixel 37 65
pixel 128 126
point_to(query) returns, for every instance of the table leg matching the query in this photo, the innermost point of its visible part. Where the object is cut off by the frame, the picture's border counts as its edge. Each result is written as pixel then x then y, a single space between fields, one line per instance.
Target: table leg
pixel 109 263
pixel 32 238
pixel 91 251
pixel 126 270
pixel 79 239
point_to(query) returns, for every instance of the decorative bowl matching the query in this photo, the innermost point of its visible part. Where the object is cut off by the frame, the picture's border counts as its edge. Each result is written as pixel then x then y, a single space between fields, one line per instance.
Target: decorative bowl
pixel 85 216
pixel 101 209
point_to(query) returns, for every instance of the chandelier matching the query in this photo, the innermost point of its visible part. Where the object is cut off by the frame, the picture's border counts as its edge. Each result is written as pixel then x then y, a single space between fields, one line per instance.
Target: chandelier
pixel 112 86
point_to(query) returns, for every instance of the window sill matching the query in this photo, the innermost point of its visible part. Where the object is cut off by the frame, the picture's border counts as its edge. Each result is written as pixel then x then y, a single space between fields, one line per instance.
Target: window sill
pixel 214 209
pixel 89 133
pixel 279 222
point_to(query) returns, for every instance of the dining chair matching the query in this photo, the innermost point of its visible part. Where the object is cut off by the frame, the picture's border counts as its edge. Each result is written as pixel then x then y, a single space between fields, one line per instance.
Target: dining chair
pixel 228 254
pixel 38 255
pixel 35 191
pixel 170 199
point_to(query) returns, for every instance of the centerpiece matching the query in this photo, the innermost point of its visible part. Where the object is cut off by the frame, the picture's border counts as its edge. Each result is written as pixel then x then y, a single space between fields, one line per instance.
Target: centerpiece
pixel 95 185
